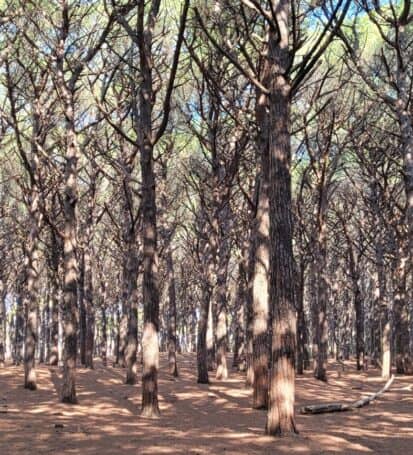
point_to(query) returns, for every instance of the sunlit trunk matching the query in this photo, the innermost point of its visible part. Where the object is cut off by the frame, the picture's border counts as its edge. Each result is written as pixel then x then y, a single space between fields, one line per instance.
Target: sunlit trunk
pixel 222 272
pixel 70 314
pixel 280 417
pixel 260 341
pixel 302 339
pixel 31 300
pixel 54 284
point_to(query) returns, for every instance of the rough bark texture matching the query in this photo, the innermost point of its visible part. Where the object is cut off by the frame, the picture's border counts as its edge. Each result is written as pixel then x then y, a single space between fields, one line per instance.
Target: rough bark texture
pixel 70 314
pixel 54 299
pixel 221 274
pixel 280 417
pixel 260 341
pixel 150 347
pixel 31 301
pixel 131 304
pixel 302 337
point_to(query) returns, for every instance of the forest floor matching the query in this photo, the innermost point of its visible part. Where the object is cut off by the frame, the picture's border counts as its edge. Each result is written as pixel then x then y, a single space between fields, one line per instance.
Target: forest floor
pixel 197 419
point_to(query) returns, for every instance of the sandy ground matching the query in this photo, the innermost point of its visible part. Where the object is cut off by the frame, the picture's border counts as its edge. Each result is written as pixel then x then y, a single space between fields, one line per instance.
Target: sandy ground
pixel 197 419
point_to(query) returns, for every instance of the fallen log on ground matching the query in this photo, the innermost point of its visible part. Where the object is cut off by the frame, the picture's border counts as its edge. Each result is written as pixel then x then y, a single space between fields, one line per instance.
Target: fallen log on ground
pixel 341 407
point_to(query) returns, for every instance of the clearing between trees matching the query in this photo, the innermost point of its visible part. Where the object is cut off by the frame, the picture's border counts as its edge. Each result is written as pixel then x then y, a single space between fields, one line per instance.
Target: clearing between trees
pixel 197 418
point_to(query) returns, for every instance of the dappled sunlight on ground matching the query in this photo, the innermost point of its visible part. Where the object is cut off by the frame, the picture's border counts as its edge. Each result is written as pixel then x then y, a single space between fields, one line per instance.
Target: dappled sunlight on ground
pixel 198 419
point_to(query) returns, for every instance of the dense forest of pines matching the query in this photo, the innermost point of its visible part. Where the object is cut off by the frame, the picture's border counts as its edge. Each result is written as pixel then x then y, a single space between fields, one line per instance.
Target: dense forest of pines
pixel 227 178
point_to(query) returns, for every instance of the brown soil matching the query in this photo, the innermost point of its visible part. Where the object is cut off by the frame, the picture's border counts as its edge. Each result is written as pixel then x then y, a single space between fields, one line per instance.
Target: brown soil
pixel 197 419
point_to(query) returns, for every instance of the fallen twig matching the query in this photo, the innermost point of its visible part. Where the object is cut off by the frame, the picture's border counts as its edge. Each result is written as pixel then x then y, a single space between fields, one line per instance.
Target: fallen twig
pixel 340 407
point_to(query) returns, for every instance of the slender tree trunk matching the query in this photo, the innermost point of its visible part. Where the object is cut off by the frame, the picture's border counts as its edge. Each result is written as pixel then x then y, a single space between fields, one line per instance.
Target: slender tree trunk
pixel 131 347
pixel 249 380
pixel 31 304
pixel 239 337
pixel 210 339
pixel 82 310
pixel 280 418
pixel 88 299
pixel 150 347
pixel 172 345
pixel 302 355
pixel 46 327
pixel 202 350
pixel 321 322
pixel 222 272
pixel 401 327
pixel 19 326
pixel 54 299
pixel 70 315
pixel 117 335
pixel 260 297
pixel 3 315
pixel 359 310
pixel 104 341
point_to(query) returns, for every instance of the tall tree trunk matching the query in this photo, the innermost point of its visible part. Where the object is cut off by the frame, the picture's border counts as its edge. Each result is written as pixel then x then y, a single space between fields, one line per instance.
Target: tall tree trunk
pixel 400 311
pixel 260 284
pixel 239 336
pixel 302 340
pixel 260 294
pixel 88 299
pixel 221 274
pixel 54 282
pixel 172 345
pixel 150 347
pixel 70 315
pixel 359 310
pixel 202 350
pixel 19 325
pixel 104 341
pixel 46 328
pixel 3 315
pixel 131 346
pixel 82 310
pixel 31 304
pixel 280 417
pixel 249 380
pixel 210 338
pixel 321 322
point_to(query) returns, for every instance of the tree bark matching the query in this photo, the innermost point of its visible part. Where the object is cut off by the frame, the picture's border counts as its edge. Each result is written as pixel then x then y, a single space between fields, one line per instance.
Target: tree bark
pixel 260 340
pixel 172 345
pixel 54 298
pixel 3 315
pixel 302 338
pixel 131 345
pixel 82 310
pixel 70 315
pixel 280 417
